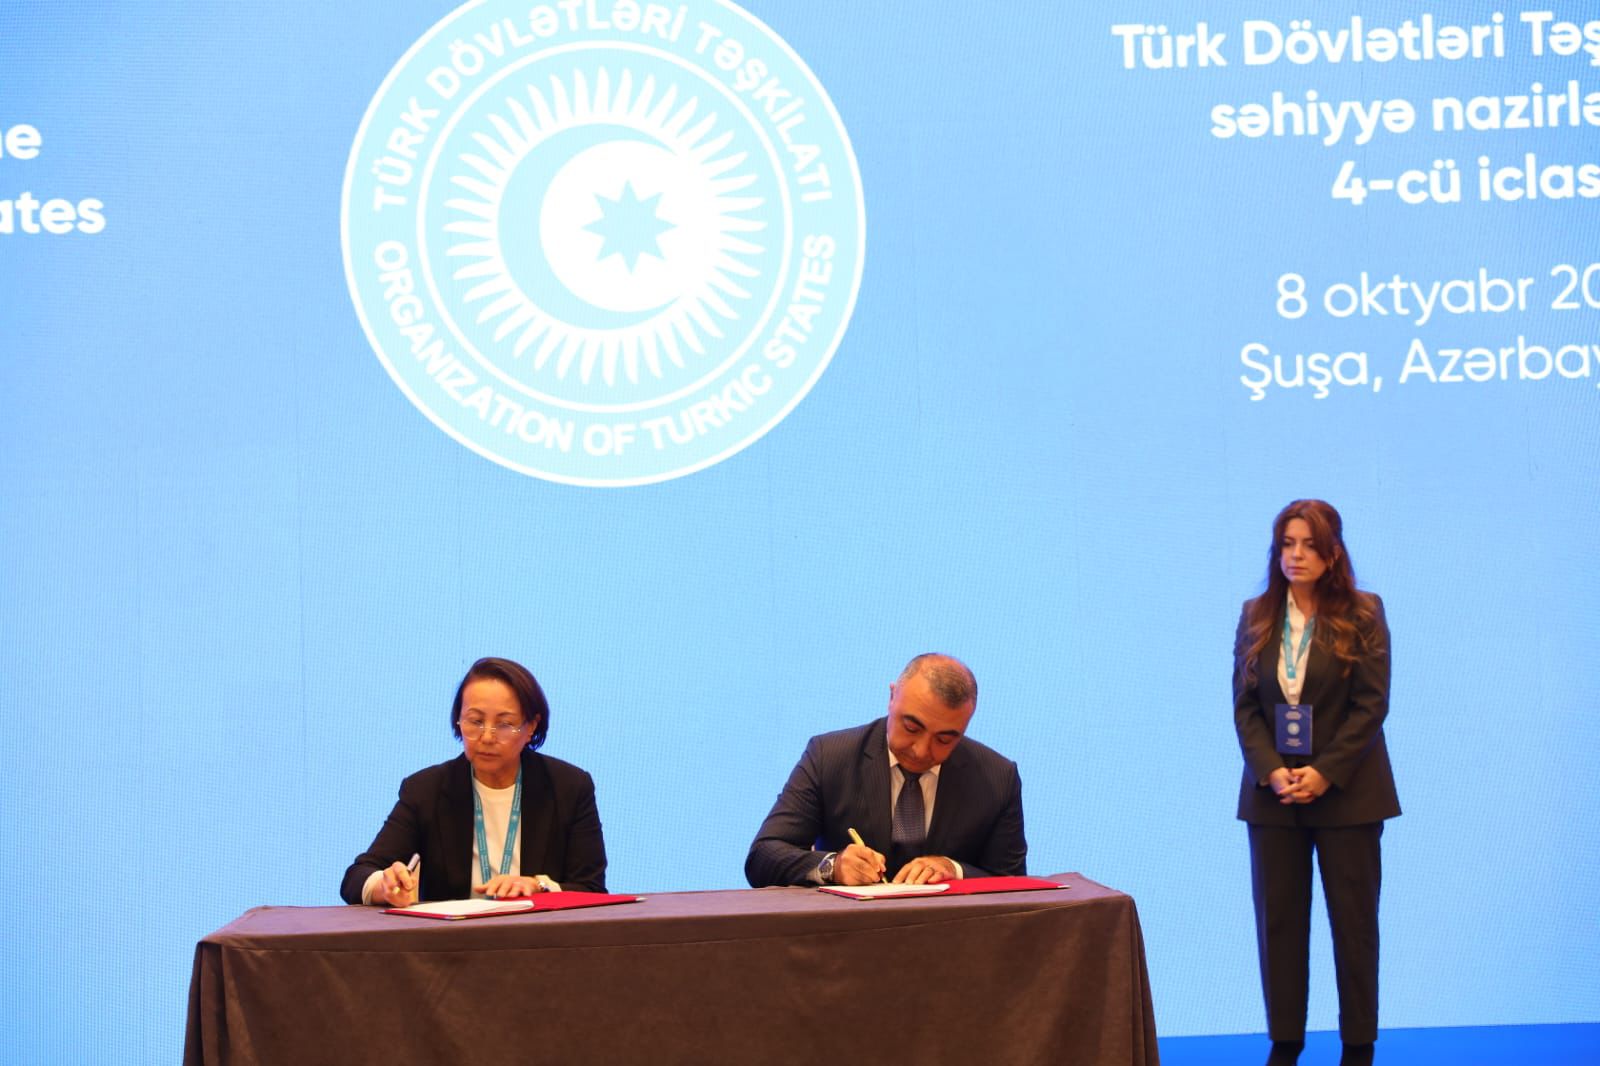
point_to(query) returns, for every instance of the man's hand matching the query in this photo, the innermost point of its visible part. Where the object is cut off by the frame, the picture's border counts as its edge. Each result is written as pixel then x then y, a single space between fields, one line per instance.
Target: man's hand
pixel 857 865
pixel 1309 784
pixel 399 887
pixel 926 870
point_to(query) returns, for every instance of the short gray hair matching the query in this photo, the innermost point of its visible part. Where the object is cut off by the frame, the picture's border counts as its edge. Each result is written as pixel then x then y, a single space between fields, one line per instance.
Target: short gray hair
pixel 948 676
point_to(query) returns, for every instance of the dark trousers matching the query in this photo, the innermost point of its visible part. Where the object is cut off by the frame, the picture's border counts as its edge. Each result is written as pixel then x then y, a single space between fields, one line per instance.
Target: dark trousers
pixel 1280 878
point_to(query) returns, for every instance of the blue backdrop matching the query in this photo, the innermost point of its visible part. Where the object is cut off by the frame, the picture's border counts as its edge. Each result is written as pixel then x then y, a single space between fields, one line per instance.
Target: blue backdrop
pixel 242 572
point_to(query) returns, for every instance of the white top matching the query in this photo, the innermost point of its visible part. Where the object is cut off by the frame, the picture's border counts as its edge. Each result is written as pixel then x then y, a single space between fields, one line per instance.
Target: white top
pixel 1297 629
pixel 496 816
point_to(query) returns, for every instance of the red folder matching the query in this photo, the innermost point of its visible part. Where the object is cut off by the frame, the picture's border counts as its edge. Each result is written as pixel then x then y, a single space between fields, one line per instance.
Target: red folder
pixel 977 886
pixel 568 901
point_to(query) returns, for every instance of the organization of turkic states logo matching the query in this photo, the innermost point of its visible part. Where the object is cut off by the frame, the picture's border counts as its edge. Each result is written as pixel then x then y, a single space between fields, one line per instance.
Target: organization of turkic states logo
pixel 603 242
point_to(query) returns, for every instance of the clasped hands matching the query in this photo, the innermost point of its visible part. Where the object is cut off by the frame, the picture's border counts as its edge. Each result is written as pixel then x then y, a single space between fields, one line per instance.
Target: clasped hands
pixel 857 865
pixel 1301 784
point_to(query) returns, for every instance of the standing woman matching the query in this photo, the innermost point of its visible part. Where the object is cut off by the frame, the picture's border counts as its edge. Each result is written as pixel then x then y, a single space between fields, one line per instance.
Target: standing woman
pixel 1310 693
pixel 499 819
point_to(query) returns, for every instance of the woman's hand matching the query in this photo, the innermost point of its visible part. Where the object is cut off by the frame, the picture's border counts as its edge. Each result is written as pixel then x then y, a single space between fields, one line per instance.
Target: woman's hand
pixel 504 886
pixel 1309 784
pixel 399 887
pixel 1281 781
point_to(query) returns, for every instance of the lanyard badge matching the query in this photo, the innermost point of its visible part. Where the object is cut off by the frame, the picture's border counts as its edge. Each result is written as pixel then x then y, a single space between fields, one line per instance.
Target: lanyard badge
pixel 1294 728
pixel 511 831
pixel 1291 657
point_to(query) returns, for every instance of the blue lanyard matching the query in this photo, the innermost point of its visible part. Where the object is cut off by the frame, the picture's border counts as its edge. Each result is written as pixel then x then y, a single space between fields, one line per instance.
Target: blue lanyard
pixel 1290 656
pixel 511 831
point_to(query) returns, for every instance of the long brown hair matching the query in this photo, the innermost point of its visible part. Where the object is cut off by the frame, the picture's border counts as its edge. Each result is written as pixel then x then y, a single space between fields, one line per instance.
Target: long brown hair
pixel 1343 611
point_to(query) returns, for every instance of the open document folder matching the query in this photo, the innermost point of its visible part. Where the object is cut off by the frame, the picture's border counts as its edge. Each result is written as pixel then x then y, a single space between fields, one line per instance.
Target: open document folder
pixel 463 908
pixel 884 891
pixel 971 886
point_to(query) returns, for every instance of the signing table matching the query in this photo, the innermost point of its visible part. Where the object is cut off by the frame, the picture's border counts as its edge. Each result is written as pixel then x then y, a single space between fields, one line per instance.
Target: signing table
pixel 787 975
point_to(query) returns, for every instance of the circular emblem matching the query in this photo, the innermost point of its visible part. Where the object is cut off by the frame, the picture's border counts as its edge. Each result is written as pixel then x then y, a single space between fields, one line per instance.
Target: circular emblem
pixel 603 242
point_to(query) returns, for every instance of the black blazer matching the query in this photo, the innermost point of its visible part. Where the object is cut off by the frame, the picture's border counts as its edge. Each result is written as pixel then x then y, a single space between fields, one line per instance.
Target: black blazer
pixel 1347 742
pixel 842 780
pixel 560 829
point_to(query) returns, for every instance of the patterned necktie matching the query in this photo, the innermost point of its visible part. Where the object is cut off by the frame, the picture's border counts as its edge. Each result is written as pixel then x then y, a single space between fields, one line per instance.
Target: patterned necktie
pixel 910 824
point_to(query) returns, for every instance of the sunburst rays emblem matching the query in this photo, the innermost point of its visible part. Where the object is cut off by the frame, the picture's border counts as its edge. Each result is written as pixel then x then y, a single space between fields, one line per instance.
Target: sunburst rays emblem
pixel 642 246
pixel 589 249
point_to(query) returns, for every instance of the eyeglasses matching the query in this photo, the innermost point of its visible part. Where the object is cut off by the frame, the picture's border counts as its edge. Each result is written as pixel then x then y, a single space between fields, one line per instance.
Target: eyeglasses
pixel 472 730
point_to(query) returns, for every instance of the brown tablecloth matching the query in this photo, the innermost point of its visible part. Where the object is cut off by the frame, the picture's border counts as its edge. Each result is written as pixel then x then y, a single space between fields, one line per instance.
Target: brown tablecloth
pixel 785 975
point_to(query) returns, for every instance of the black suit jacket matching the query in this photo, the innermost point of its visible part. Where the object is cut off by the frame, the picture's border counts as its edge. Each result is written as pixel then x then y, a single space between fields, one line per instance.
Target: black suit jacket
pixel 842 780
pixel 560 829
pixel 1347 745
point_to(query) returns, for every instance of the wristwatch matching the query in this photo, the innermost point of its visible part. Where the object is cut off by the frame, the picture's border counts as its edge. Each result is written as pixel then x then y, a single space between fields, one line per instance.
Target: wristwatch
pixel 825 867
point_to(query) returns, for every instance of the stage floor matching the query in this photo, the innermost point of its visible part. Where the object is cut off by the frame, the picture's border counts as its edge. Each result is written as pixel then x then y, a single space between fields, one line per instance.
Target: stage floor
pixel 1489 1045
